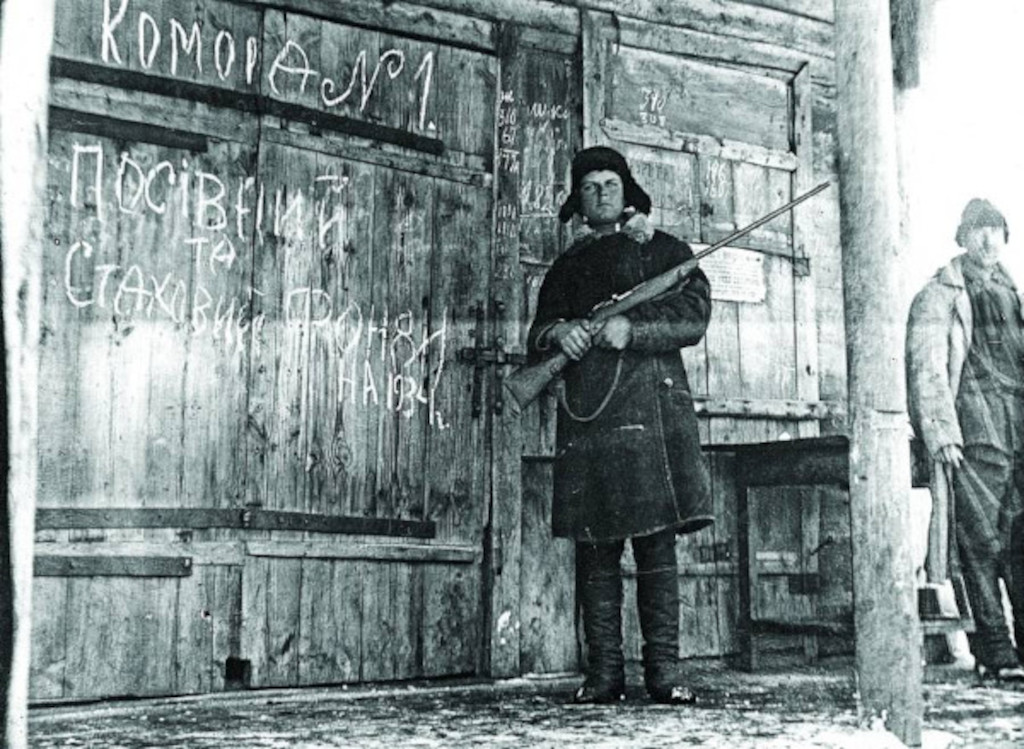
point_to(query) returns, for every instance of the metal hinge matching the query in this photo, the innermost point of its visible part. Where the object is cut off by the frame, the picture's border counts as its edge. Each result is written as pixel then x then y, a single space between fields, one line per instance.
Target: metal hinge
pixel 490 355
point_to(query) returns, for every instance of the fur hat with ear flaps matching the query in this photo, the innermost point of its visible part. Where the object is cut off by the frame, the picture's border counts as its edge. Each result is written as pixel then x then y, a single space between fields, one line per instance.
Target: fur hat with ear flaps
pixel 980 213
pixel 596 159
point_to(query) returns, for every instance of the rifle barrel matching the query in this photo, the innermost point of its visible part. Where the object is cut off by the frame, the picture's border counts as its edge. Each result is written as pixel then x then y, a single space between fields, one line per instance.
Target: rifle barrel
pixel 760 222
pixel 527 383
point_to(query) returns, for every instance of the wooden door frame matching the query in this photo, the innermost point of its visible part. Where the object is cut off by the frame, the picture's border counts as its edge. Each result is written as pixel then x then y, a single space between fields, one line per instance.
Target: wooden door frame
pixel 601 34
pixel 796 70
pixel 519 541
pixel 503 538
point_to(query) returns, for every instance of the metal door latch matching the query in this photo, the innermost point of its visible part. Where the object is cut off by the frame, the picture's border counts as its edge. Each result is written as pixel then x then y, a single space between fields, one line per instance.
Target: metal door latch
pixel 482 356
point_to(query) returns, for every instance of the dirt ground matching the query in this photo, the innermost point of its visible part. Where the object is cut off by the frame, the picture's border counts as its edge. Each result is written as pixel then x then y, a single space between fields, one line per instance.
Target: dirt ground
pixel 773 709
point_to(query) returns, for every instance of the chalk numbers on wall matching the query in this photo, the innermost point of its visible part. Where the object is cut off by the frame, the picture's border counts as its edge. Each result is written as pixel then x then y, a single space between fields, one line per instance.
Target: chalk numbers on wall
pixel 652 109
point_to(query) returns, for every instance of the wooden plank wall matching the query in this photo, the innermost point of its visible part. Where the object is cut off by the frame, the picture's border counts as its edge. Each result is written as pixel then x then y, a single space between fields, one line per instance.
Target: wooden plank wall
pixel 799 28
pixel 211 420
pixel 773 28
pixel 764 350
pixel 176 435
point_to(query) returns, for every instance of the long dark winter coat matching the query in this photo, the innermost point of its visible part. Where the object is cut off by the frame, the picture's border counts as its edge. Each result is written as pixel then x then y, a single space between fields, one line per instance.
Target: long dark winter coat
pixel 638 467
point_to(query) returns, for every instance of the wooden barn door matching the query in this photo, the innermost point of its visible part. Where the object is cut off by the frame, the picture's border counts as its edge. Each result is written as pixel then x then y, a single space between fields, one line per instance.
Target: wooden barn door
pixel 363 403
pixel 261 460
pixel 142 400
pixel 719 134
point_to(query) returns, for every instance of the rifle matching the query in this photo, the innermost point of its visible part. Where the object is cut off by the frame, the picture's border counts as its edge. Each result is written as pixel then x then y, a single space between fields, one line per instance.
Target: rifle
pixel 526 383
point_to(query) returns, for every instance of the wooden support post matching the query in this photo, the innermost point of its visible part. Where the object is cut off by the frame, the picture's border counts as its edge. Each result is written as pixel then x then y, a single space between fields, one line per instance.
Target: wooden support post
pixel 888 631
pixel 26 29
pixel 505 524
pixel 906 28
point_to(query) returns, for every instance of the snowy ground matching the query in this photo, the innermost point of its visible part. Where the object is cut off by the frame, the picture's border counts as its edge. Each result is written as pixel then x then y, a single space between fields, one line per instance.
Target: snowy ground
pixel 792 707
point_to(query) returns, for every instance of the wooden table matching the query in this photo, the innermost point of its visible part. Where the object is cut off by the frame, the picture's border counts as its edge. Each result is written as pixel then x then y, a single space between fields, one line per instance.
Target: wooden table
pixel 818 461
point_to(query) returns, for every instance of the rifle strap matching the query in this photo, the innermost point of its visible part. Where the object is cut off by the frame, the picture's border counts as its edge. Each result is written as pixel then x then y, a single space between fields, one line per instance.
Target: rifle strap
pixel 560 392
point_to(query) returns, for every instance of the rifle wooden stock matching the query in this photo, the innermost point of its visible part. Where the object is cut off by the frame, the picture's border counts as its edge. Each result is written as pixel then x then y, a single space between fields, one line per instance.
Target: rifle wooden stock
pixel 527 383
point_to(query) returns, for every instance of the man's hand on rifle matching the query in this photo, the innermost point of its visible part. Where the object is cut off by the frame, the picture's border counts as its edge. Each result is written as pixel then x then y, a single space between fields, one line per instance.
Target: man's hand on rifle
pixel 573 337
pixel 616 333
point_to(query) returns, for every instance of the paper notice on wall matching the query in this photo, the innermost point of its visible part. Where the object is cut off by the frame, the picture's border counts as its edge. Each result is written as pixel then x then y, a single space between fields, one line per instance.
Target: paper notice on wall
pixel 736 275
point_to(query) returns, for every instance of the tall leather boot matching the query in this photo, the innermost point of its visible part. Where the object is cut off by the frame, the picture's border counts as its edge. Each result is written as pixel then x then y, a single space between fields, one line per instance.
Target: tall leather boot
pixel 599 587
pixel 657 600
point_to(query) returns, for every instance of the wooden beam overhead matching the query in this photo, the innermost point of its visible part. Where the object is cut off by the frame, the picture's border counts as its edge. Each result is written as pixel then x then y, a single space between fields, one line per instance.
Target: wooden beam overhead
pixel 404 18
pixel 737 19
pixel 821 10
pixel 706 44
pixel 727 19
pixel 537 14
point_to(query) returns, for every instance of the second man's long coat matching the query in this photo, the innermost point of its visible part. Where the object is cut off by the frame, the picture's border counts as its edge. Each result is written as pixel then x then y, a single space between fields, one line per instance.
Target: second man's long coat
pixel 637 468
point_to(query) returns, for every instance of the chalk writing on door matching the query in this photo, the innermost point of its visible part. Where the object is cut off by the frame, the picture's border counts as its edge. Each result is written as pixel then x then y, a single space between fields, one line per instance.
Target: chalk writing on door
pixel 652 107
pixel 207 200
pixel 193 49
pixel 386 358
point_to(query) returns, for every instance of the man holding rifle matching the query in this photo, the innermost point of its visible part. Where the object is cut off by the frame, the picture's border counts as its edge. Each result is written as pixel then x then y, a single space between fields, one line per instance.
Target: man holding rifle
pixel 629 458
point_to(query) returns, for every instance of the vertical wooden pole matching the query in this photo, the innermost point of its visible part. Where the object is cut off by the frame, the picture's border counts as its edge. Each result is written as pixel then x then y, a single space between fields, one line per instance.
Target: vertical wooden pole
pixel 26 30
pixel 506 537
pixel 889 667
pixel 906 28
